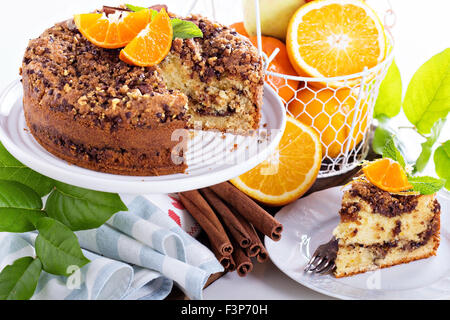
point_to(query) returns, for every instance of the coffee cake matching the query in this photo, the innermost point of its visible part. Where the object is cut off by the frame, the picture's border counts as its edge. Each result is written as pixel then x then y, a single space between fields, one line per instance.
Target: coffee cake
pixel 379 229
pixel 84 105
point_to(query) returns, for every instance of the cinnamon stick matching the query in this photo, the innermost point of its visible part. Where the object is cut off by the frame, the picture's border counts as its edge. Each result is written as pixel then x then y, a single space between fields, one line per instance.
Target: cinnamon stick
pixel 232 265
pixel 225 261
pixel 244 264
pixel 204 207
pixel 206 218
pixel 254 248
pixel 262 255
pixel 250 210
pixel 233 225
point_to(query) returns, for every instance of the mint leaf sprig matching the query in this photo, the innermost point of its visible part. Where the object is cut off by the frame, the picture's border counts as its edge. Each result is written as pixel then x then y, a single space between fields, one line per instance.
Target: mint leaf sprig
pixel 426 185
pixel 181 28
pixel 391 151
pixel 67 208
pixel 136 8
pixel 185 29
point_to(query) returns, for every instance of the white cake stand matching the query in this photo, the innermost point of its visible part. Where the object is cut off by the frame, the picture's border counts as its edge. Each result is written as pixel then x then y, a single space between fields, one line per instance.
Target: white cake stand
pixel 212 157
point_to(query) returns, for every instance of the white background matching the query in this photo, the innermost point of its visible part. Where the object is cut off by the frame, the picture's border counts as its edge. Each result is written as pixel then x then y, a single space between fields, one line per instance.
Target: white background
pixel 422 29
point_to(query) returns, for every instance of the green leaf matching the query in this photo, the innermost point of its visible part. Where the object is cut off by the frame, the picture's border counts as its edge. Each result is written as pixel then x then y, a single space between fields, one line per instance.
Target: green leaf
pixel 13 170
pixel 135 8
pixel 19 280
pixel 185 29
pixel 381 135
pixel 58 248
pixel 427 98
pixel 82 209
pixel 391 151
pixel 20 207
pixel 181 28
pixel 154 13
pixel 389 101
pixel 427 146
pixel 442 162
pixel 426 185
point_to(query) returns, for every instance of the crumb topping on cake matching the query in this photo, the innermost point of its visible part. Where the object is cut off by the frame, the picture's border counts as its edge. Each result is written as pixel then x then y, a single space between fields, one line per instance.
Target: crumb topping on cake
pixel 70 74
pixel 349 211
pixel 383 202
pixel 222 52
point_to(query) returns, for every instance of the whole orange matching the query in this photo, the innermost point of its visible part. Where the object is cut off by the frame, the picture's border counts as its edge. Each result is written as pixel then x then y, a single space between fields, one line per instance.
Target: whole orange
pixel 330 112
pixel 240 28
pixel 286 88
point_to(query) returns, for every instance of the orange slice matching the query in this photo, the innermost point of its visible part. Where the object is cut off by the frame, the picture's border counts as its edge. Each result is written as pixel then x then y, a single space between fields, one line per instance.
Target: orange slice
pixel 387 175
pixel 112 31
pixel 152 44
pixel 329 38
pixel 289 172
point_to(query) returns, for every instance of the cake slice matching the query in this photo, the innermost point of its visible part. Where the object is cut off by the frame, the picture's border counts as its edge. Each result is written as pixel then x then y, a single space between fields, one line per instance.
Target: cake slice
pixel 379 229
pixel 222 76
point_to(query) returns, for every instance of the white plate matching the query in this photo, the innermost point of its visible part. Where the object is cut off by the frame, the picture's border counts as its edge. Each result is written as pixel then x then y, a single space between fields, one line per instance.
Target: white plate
pixel 309 223
pixel 212 157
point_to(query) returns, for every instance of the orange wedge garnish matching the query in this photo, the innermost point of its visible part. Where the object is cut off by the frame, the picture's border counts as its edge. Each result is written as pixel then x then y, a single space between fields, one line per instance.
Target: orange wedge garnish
pixel 152 44
pixel 112 31
pixel 388 175
pixel 289 172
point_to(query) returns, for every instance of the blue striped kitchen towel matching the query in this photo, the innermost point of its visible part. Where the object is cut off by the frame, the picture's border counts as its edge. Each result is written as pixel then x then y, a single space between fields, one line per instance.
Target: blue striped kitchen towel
pixel 138 254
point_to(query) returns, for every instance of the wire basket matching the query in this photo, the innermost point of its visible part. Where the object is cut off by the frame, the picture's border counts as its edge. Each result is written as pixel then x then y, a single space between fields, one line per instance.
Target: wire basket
pixel 339 108
pixel 342 116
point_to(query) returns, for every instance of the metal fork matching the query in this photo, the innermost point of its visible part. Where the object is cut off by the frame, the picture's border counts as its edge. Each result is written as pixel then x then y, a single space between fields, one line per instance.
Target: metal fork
pixel 323 259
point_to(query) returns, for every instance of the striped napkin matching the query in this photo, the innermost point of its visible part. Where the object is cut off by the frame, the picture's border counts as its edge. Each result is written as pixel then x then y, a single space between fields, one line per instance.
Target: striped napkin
pixel 138 254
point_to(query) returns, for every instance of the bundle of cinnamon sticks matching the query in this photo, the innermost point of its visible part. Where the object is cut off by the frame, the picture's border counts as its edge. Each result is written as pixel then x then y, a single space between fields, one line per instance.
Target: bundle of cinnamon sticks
pixel 232 220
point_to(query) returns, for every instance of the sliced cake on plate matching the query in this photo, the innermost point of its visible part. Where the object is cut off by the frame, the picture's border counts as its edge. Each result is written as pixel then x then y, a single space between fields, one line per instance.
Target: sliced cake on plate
pixel 379 229
pixel 381 225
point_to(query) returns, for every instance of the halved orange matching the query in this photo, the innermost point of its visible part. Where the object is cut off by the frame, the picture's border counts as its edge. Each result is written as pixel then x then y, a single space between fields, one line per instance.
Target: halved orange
pixel 289 172
pixel 152 44
pixel 387 175
pixel 330 38
pixel 112 31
